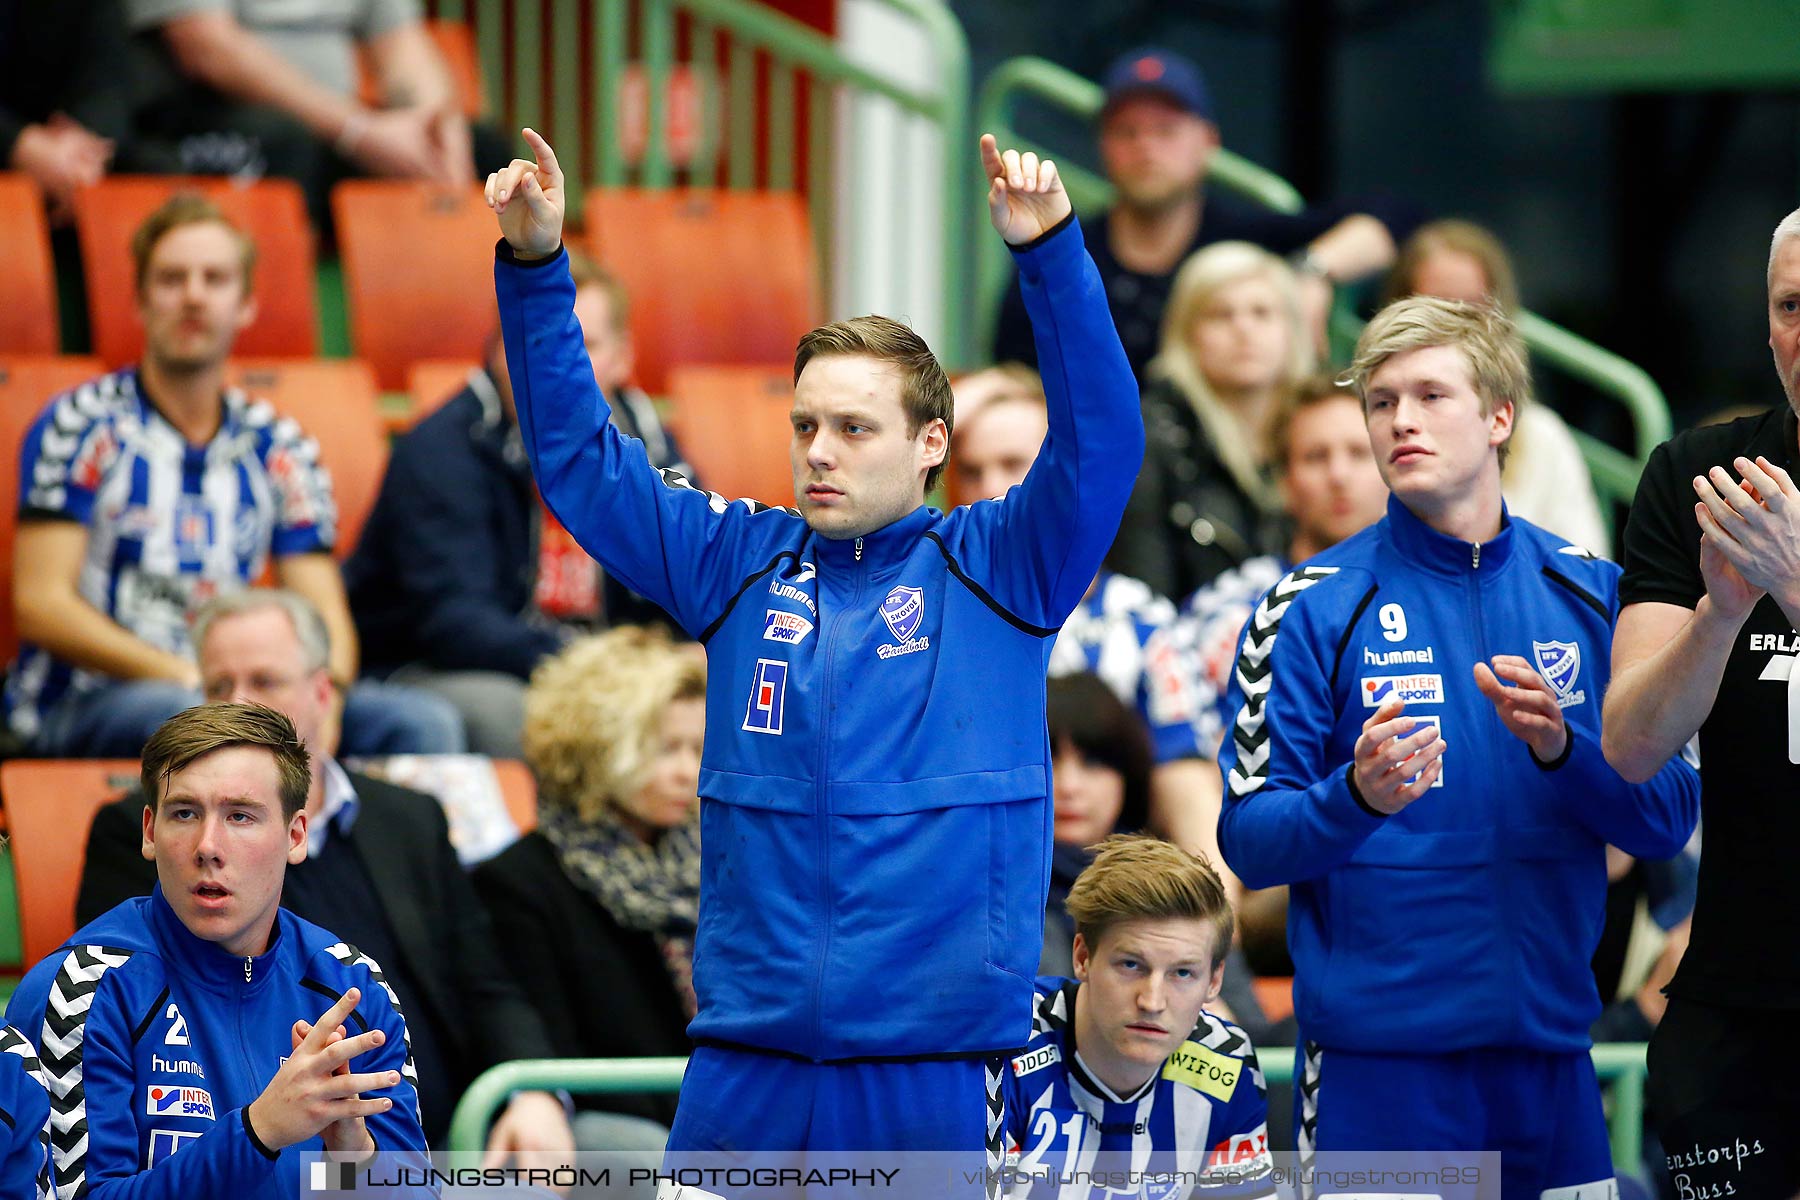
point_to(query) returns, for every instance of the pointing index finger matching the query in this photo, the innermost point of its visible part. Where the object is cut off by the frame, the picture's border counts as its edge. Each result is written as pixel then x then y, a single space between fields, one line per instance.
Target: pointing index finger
pixel 546 157
pixel 317 1036
pixel 990 156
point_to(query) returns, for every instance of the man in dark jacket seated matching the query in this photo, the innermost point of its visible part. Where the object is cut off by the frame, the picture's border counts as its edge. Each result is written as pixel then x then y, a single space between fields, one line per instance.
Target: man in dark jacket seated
pixel 379 872
pixel 462 582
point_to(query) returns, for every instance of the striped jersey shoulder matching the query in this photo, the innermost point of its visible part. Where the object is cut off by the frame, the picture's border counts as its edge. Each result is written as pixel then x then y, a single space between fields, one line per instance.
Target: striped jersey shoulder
pixel 1216 1033
pixel 1216 1059
pixel 1052 1007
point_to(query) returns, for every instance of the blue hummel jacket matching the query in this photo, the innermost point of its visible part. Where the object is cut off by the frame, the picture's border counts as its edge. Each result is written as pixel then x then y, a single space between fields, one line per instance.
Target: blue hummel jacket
pixel 25 1112
pixel 875 822
pixel 1467 919
pixel 153 1042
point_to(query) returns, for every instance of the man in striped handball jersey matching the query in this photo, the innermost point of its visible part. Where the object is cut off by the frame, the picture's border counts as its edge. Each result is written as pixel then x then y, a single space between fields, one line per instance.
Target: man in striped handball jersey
pixel 1129 1083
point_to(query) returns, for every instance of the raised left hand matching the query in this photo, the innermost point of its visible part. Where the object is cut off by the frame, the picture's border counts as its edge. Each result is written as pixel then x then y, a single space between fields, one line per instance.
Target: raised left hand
pixel 1528 708
pixel 347 1134
pixel 1026 197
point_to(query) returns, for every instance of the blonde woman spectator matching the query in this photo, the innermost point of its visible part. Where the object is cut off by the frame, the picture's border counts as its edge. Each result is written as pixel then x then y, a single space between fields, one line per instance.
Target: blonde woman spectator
pixel 1233 346
pixel 597 906
pixel 1544 477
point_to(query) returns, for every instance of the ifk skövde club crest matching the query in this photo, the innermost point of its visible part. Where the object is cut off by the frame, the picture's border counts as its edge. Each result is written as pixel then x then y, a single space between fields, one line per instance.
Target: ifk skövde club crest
pixel 904 612
pixel 1559 663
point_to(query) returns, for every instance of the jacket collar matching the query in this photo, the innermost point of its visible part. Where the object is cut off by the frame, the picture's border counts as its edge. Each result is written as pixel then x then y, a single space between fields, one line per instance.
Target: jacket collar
pixel 1424 546
pixel 207 963
pixel 889 544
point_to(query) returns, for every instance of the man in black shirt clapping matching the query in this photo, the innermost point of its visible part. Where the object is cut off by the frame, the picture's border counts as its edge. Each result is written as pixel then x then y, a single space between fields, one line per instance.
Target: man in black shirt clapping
pixel 1706 643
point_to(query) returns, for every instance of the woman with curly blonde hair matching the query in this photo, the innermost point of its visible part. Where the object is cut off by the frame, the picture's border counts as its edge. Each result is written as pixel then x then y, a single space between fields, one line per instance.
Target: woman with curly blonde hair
pixel 597 906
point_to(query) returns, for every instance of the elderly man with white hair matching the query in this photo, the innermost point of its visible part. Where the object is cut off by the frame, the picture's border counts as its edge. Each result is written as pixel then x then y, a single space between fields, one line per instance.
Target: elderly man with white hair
pixel 1706 645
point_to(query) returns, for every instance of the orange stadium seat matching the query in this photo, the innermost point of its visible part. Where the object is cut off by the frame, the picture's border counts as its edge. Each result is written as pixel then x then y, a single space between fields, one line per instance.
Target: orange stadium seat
pixel 418 271
pixel 28 322
pixel 271 211
pixel 456 43
pixel 714 276
pixel 335 400
pixel 26 384
pixel 433 382
pixel 733 426
pixel 518 787
pixel 49 805
pixel 1276 995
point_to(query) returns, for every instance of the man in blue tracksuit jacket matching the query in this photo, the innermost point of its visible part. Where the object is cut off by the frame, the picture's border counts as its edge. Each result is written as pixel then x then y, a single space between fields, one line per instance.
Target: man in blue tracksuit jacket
pixel 25 1113
pixel 875 816
pixel 1416 750
pixel 179 1034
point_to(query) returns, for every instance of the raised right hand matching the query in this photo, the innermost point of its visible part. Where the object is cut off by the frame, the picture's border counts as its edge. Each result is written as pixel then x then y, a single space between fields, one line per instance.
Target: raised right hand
pixel 1390 753
pixel 310 1092
pixel 528 197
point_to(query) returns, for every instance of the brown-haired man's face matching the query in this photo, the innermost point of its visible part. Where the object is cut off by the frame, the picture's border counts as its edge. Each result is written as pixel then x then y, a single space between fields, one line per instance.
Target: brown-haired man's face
pixel 1143 985
pixel 856 465
pixel 1330 485
pixel 221 846
pixel 194 300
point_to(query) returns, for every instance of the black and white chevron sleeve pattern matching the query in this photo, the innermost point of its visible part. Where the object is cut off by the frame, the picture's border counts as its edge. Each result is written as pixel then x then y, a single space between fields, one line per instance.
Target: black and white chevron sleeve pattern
pixel 70 420
pixel 676 480
pixel 1213 1033
pixel 14 1042
pixel 350 956
pixel 65 1031
pixel 1254 675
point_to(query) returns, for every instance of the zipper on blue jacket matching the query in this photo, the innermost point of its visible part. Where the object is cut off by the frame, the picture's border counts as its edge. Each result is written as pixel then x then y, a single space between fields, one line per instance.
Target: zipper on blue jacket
pixel 821 815
pixel 247 961
pixel 1503 864
pixel 1475 556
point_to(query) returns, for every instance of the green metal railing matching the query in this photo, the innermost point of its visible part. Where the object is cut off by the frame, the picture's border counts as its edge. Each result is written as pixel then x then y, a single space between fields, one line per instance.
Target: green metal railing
pixel 1615 472
pixel 1620 1065
pixel 768 101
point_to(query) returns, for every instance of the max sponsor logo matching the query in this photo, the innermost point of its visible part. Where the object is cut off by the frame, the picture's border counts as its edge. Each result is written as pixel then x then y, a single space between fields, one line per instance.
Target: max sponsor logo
pixel 790 629
pixel 179 1102
pixel 1241 1149
pixel 1412 689
pixel 1037 1060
